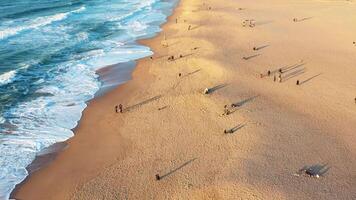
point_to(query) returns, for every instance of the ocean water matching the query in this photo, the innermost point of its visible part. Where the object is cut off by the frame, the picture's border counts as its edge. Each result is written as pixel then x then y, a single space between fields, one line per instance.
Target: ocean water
pixel 49 52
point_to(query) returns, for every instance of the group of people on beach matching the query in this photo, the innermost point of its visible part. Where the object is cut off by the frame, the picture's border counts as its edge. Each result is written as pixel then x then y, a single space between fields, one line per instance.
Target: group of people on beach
pixel 119 108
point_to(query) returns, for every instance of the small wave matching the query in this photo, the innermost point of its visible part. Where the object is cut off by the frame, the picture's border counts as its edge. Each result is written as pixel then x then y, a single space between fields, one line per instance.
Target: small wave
pixel 36 23
pixel 7 77
pixel 138 26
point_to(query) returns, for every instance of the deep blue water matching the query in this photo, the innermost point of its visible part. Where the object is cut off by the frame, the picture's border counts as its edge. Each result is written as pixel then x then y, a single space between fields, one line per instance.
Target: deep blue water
pixel 49 52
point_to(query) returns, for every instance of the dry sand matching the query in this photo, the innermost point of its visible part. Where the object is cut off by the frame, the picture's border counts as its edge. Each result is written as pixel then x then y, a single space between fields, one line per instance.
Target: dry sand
pixel 176 130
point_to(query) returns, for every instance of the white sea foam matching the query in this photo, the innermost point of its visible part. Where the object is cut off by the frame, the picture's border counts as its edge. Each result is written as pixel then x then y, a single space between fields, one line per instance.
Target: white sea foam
pixel 33 125
pixel 137 26
pixel 36 23
pixel 7 77
pixel 44 121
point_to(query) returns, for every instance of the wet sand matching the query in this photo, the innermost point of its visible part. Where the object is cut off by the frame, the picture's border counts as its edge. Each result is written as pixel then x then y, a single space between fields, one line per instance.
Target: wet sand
pixel 172 129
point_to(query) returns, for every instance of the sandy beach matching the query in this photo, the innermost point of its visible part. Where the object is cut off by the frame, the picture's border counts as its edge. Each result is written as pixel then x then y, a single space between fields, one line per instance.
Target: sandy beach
pixel 170 128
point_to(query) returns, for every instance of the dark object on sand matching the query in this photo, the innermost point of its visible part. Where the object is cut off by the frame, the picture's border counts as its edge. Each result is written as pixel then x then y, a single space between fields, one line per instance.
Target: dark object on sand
pixel 158 177
pixel 248 22
pixel 233 130
pixel 314 171
pixel 120 108
pixel 171 58
pixel 298 82
pixel 206 91
pixel 269 73
pixel 274 78
pixel 116 108
pixel 180 74
pixel 295 20
pixel 255 48
pixel 189 27
pixel 355 100
pixel 280 70
pixel 180 56
pixel 226 110
pixel 234 105
pixel 151 58
pixel 228 131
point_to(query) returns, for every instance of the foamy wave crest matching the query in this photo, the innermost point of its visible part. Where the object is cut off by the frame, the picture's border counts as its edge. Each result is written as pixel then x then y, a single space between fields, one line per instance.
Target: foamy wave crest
pixel 34 125
pixel 36 23
pixel 7 77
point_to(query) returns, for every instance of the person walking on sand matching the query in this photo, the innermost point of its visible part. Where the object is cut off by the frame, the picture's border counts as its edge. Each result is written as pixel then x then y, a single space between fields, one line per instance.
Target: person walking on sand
pixel 117 109
pixel 226 110
pixel 280 78
pixel 121 108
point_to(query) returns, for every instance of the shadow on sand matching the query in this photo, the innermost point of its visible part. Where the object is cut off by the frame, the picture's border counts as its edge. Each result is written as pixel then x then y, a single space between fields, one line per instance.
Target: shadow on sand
pixel 250 57
pixel 127 109
pixel 243 102
pixel 178 168
pixel 314 170
pixel 309 79
pixel 218 87
pixel 233 130
pixel 260 47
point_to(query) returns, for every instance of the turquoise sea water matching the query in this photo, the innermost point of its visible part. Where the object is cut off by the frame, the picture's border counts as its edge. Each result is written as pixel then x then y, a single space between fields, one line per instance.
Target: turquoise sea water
pixel 49 52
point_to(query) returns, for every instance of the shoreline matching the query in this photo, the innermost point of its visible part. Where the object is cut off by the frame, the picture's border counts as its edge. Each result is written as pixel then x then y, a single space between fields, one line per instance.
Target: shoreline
pixel 172 130
pixel 110 86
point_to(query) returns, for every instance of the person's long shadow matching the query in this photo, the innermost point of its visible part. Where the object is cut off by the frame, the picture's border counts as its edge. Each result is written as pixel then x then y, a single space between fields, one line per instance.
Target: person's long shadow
pixel 178 168
pixel 236 128
pixel 243 102
pixel 127 109
pixel 293 67
pixel 309 79
pixel 184 76
pixel 183 56
pixel 304 19
pixel 195 27
pixel 191 73
pixel 293 74
pixel 218 87
pixel 288 68
pixel 260 47
pixel 250 57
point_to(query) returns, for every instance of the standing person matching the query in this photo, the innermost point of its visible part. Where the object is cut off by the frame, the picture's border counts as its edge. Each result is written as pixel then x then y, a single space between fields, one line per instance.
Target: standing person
pixel 298 82
pixel 280 78
pixel 274 78
pixel 226 110
pixel 158 177
pixel 120 108
pixel 116 108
